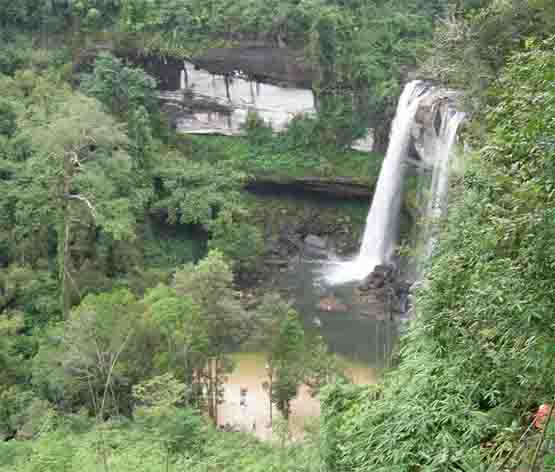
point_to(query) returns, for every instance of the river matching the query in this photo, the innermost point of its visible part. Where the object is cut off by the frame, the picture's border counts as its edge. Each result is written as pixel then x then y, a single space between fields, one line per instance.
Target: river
pixel 362 335
pixel 250 412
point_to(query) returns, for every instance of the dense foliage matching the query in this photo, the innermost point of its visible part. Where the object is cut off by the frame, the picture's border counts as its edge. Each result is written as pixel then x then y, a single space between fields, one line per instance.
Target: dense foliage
pixel 100 319
pixel 471 47
pixel 116 325
pixel 74 444
pixel 479 355
pixel 362 50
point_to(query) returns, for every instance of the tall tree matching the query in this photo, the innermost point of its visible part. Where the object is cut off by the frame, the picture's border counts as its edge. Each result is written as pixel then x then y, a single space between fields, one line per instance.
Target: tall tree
pixel 79 174
pixel 286 361
pixel 210 285
pixel 182 335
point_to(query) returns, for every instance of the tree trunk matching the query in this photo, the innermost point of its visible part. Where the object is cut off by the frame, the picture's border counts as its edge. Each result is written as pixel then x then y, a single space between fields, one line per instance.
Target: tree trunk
pixel 381 138
pixel 66 222
pixel 215 391
pixel 212 385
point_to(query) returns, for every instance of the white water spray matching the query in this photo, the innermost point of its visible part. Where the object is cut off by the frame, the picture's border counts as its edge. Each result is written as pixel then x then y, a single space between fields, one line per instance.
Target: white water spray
pixel 450 122
pixel 382 226
pixel 182 79
pixel 380 234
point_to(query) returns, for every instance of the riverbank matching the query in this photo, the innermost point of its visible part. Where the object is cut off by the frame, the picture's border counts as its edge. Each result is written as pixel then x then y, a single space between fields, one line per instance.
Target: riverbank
pixel 245 404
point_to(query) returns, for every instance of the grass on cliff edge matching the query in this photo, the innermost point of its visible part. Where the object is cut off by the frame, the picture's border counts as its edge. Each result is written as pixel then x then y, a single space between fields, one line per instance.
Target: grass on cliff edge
pixel 272 160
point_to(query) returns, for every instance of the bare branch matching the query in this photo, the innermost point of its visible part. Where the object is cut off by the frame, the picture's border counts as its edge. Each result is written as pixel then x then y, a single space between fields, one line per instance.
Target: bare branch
pixel 72 280
pixel 112 365
pixel 87 202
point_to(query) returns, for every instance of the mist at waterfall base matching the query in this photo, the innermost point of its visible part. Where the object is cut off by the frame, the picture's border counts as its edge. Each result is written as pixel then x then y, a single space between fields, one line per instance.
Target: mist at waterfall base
pixel 382 225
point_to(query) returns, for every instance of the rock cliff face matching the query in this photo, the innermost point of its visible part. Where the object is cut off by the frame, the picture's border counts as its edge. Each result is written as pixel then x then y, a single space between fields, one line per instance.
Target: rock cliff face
pixel 212 93
pixel 428 122
pixel 258 61
pixel 338 187
pixel 279 66
pixel 215 94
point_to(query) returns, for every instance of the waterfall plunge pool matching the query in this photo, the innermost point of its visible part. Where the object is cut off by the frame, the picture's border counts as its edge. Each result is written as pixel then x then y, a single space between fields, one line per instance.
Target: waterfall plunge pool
pixel 361 334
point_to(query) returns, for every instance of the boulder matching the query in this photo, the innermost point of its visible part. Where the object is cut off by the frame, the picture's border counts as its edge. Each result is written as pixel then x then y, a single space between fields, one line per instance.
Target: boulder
pixel 331 303
pixel 381 275
pixel 315 241
pixel 22 435
pixel 427 123
pixel 288 243
pixel 364 286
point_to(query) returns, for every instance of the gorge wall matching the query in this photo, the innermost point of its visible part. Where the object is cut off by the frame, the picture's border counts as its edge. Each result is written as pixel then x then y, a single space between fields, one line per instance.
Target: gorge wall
pixel 213 93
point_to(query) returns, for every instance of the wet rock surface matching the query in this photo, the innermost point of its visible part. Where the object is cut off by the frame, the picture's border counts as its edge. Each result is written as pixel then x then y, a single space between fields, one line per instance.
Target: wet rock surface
pixel 314 241
pixel 305 224
pixel 281 66
pixel 340 187
pixel 215 102
pixel 378 278
pixel 386 285
pixel 428 120
pixel 331 303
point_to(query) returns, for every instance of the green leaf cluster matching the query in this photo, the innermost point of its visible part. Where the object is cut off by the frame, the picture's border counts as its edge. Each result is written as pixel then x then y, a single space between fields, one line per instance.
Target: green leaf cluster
pixel 479 355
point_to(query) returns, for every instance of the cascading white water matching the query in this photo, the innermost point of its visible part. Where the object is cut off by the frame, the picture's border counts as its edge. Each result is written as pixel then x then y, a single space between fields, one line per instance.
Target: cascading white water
pixel 450 122
pixel 380 234
pixel 183 79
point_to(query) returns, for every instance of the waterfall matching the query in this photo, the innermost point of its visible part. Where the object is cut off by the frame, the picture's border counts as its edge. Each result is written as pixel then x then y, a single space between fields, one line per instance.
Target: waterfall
pixel 382 225
pixel 183 77
pixel 450 122
pixel 380 233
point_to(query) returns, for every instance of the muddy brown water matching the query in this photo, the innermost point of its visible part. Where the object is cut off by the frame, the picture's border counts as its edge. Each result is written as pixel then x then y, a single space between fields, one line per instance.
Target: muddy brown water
pixel 250 411
pixel 362 337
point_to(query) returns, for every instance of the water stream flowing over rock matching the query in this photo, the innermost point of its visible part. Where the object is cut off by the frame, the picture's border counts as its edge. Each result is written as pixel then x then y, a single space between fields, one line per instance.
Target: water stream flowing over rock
pixel 425 127
pixel 440 175
pixel 219 104
pixel 381 227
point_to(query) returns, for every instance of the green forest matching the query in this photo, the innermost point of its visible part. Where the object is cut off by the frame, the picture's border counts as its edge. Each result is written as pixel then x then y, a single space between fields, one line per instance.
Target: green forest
pixel 129 252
